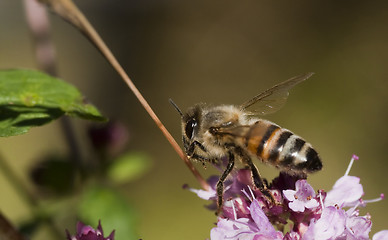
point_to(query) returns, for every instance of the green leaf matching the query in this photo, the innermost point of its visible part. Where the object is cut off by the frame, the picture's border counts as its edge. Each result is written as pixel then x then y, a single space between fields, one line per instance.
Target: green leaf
pixel 129 167
pixel 107 205
pixel 29 98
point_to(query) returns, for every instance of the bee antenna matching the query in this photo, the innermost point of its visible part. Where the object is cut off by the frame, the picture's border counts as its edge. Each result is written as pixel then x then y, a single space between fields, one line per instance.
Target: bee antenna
pixel 175 106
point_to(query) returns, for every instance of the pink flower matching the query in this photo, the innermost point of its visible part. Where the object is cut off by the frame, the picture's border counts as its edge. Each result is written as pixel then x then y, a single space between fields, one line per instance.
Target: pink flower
pixel 257 228
pixel 347 190
pixel 330 225
pixel 247 214
pixel 302 197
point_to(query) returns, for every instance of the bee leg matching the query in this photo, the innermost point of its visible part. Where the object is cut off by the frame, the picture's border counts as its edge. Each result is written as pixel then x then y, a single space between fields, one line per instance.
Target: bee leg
pixel 198 144
pixel 199 158
pixel 195 144
pixel 258 181
pixel 191 147
pixel 220 183
pixel 202 159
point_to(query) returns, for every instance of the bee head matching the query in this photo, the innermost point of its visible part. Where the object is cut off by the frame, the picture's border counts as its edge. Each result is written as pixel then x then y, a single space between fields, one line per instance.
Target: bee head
pixel 190 124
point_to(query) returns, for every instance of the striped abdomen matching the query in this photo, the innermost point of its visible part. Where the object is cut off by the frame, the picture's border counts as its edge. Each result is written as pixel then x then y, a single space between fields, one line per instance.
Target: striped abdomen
pixel 282 148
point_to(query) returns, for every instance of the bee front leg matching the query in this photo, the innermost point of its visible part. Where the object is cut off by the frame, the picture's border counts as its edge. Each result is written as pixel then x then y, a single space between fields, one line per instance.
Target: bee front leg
pixel 220 183
pixel 203 159
pixel 190 151
pixel 192 147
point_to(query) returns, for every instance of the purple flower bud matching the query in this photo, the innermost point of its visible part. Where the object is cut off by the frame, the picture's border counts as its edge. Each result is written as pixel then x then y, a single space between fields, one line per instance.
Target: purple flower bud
pixel 85 232
pixel 111 137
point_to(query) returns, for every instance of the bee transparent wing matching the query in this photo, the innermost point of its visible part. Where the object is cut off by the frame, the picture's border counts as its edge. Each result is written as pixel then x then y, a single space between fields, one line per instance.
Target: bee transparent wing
pixel 235 131
pixel 274 98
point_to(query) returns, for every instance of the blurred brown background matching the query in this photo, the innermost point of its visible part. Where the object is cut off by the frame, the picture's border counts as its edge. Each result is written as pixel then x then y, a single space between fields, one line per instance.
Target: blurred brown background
pixel 217 52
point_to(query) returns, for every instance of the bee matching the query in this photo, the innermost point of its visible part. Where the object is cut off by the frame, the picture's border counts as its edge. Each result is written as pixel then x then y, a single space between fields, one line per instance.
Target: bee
pixel 210 133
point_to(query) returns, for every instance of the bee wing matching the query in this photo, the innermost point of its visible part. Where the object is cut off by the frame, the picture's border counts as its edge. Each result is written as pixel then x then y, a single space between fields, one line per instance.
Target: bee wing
pixel 235 131
pixel 274 98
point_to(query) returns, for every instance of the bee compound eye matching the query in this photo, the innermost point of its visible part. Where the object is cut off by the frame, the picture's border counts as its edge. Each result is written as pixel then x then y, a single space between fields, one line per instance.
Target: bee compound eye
pixel 190 126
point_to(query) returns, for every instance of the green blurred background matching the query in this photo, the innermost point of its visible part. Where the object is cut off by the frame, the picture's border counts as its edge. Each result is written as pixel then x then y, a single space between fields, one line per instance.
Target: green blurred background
pixel 216 52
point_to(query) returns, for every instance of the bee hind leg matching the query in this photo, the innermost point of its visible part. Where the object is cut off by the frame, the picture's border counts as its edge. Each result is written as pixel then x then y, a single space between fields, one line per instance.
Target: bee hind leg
pixel 258 181
pixel 220 183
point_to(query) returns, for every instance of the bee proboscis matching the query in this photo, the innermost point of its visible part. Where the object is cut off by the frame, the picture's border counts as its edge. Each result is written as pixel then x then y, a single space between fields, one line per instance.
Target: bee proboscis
pixel 212 132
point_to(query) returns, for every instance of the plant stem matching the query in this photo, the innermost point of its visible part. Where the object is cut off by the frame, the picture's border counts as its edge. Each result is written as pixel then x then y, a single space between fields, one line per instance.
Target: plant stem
pixel 39 24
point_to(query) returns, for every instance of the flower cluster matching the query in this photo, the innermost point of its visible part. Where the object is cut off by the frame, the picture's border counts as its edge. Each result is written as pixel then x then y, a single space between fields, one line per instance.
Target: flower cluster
pixel 308 215
pixel 85 232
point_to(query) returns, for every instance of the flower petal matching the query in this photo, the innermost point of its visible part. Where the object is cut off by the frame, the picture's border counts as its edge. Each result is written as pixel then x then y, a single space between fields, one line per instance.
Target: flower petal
pixel 206 195
pixel 382 235
pixel 330 226
pixel 289 194
pixel 357 226
pixel 231 229
pixel 296 206
pixel 304 190
pixel 346 192
pixel 260 218
pixel 311 204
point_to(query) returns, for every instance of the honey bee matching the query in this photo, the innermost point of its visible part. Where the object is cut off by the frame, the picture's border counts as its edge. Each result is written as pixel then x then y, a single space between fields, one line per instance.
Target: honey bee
pixel 210 133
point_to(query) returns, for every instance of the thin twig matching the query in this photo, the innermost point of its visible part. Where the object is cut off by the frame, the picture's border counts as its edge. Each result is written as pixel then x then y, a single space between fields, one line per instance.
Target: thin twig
pixel 67 10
